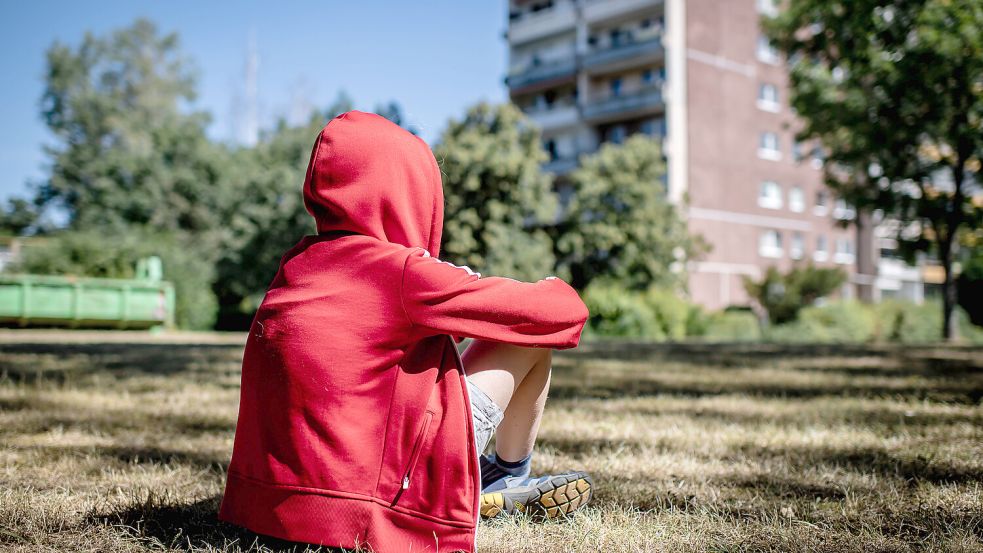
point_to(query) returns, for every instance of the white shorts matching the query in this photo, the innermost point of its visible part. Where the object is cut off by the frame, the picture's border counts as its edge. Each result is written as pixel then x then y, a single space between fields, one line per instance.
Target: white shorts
pixel 485 414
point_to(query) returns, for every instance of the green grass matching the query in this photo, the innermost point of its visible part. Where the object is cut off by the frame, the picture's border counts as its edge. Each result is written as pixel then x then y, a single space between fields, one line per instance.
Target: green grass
pixel 107 445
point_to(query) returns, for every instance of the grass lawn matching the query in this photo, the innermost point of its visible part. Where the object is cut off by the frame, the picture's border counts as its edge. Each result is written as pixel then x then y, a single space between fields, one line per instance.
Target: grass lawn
pixel 120 444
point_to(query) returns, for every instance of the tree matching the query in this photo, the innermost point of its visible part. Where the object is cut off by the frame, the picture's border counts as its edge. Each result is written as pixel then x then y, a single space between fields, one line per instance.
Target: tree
pixel 394 112
pixel 784 295
pixel 497 200
pixel 619 225
pixel 17 216
pixel 128 151
pixel 265 215
pixel 894 92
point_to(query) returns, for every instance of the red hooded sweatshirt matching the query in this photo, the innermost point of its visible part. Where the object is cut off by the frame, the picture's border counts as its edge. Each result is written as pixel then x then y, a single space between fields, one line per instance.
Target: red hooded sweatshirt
pixel 354 421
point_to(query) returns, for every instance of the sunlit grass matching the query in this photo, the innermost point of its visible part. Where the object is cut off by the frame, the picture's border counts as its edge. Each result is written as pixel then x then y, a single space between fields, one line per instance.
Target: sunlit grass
pixel 123 447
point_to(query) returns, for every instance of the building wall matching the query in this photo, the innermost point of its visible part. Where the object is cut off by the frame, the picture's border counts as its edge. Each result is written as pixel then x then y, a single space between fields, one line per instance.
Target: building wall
pixel 726 167
pixel 712 66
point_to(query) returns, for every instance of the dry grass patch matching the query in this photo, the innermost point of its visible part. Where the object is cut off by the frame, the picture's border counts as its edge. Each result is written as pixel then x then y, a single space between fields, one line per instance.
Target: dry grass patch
pixel 113 446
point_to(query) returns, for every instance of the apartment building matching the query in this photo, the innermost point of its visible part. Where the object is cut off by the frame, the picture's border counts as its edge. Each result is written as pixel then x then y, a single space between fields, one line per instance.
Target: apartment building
pixel 700 75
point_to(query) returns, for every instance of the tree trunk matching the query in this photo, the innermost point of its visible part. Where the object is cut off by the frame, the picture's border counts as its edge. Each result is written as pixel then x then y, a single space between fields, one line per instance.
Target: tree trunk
pixel 948 290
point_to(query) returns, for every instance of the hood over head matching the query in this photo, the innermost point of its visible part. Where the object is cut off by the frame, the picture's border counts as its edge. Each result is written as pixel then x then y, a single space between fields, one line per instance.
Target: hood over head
pixel 370 176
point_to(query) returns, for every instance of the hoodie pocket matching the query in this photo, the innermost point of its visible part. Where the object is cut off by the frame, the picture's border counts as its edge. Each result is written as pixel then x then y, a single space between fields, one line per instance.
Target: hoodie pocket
pixel 414 456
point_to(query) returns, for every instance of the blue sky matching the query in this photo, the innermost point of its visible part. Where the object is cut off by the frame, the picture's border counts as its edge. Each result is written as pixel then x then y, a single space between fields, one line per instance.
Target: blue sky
pixel 434 58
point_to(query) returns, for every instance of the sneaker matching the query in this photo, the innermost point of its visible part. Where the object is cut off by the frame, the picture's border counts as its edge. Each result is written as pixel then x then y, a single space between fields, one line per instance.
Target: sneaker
pixel 551 496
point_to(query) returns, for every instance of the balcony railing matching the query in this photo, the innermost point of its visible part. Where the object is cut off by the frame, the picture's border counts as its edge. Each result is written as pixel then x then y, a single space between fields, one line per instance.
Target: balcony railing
pixel 560 166
pixel 560 114
pixel 637 51
pixel 642 100
pixel 538 71
pixel 532 25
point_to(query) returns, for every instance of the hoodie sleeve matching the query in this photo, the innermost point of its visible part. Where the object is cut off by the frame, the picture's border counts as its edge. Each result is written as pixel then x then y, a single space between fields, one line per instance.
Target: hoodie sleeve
pixel 444 298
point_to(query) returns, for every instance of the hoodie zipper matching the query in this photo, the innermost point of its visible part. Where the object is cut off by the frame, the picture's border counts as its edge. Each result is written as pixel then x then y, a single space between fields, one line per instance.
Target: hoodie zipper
pixel 414 457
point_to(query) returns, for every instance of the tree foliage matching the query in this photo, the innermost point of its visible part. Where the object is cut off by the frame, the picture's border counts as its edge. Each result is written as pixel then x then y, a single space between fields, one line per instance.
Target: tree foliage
pixel 784 295
pixel 498 202
pixel 265 214
pixel 619 225
pixel 894 92
pixel 128 152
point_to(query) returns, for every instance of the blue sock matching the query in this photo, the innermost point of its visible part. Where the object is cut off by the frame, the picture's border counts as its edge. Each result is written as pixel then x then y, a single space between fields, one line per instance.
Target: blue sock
pixel 493 469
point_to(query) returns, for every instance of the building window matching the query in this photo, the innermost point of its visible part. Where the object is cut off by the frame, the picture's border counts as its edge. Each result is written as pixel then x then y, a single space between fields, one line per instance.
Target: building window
pixel 551 149
pixel 768 97
pixel 768 147
pixel 821 207
pixel 615 87
pixel 821 253
pixel 770 244
pixel 844 251
pixel 770 195
pixel 818 157
pixel 654 127
pixel 797 249
pixel 798 151
pixel 647 76
pixel 767 7
pixel 617 134
pixel 766 52
pixel 796 200
pixel 843 210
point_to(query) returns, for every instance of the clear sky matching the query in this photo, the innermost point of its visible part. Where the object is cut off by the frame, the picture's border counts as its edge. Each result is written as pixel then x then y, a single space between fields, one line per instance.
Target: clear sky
pixel 435 58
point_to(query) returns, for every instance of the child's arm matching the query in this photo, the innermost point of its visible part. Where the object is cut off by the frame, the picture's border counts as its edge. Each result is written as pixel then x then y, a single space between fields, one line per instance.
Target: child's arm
pixel 449 299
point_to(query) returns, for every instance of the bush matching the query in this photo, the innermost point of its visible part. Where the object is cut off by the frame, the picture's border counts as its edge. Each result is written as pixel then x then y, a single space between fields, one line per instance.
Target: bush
pixel 843 321
pixel 617 312
pixel 655 314
pixel 907 322
pixel 91 254
pixel 783 295
pixel 732 326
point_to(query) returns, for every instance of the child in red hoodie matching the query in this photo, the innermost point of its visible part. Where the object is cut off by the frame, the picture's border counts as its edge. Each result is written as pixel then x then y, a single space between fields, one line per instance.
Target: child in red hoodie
pixel 357 425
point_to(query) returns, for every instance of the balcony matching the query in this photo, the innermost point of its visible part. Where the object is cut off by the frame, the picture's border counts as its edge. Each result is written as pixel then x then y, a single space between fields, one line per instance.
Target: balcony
pixel 596 11
pixel 535 25
pixel 560 166
pixel 631 104
pixel 541 74
pixel 555 117
pixel 622 56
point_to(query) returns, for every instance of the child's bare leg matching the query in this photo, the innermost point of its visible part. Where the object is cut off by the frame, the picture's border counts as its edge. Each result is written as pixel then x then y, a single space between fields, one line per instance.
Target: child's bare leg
pixel 517 379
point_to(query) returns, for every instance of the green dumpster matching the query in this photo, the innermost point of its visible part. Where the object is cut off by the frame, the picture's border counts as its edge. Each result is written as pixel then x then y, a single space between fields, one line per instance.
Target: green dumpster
pixel 46 300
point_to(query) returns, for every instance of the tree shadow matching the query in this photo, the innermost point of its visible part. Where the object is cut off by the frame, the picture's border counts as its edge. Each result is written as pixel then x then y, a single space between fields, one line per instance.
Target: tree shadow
pixel 34 363
pixel 191 526
pixel 881 462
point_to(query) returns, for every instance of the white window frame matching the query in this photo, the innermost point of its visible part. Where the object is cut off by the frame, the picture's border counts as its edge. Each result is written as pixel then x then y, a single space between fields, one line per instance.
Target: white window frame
pixel 765 52
pixel 770 195
pixel 768 153
pixel 767 7
pixel 796 249
pixel 843 211
pixel 844 251
pixel 765 103
pixel 796 199
pixel 821 253
pixel 770 244
pixel 821 209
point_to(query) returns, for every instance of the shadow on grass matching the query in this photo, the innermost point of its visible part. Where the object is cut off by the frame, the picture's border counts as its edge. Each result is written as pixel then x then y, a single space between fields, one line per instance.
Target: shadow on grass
pixel 136 455
pixel 192 526
pixel 876 461
pixel 564 387
pixel 69 363
pixel 868 417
